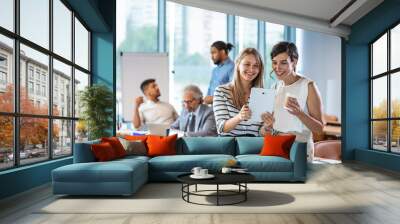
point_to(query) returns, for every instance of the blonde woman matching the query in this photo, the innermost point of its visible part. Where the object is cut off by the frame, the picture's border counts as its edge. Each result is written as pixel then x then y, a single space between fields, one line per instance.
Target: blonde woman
pixel 230 107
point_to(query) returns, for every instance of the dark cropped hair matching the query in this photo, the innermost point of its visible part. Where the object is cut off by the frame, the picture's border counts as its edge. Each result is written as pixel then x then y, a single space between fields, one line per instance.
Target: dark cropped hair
pixel 285 47
pixel 145 83
pixel 220 45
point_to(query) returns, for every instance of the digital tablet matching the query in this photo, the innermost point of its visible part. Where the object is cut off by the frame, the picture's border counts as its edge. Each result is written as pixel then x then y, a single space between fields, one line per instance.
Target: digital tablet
pixel 261 101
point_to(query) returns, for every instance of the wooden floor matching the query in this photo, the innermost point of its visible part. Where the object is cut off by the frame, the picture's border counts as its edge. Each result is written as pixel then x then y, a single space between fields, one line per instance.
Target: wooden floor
pixel 377 188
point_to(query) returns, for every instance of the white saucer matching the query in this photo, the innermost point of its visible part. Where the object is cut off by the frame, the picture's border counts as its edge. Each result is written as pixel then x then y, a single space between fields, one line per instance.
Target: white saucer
pixel 208 176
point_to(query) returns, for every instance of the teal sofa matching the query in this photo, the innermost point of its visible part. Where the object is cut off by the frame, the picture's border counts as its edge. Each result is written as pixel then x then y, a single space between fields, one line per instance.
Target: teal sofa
pixel 125 176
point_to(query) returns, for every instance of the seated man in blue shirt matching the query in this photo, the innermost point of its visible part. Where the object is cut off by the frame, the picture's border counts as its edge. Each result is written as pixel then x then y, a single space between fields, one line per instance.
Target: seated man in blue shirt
pixel 196 119
pixel 223 72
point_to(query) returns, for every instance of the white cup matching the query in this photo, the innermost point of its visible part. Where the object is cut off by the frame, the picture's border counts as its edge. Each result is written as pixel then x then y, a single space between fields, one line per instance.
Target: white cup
pixel 226 170
pixel 196 170
pixel 287 96
pixel 203 172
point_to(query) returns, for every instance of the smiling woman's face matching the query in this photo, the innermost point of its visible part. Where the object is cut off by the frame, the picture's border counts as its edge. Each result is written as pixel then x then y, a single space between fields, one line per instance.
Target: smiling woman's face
pixel 249 68
pixel 282 65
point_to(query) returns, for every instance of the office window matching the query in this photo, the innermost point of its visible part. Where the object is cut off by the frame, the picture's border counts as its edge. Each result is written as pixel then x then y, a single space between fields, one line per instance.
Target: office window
pixel 379 56
pixel 62 138
pixel 81 45
pixel 40 62
pixel 192 31
pixel 34 94
pixel 395 47
pixel 35 21
pixel 245 33
pixel 6 142
pixel 63 72
pixel 7 14
pixel 62 29
pixel 385 96
pixel 81 81
pixel 137 25
pixel 274 33
pixel 379 98
pixel 6 73
pixel 33 140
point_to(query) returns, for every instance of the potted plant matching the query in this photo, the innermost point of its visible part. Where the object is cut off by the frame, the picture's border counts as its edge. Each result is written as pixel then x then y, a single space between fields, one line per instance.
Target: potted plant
pixel 96 103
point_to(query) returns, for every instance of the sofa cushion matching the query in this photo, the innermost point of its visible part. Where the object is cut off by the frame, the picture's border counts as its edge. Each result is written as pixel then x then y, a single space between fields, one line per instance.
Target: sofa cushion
pixel 116 145
pixel 161 145
pixel 103 152
pixel 257 163
pixel 134 147
pixel 142 138
pixel 249 145
pixel 83 152
pixel 185 163
pixel 277 145
pixel 206 145
pixel 112 171
pixel 130 158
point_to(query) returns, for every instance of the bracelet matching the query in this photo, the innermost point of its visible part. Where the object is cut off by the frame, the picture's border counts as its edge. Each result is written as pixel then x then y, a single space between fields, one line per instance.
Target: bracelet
pixel 267 129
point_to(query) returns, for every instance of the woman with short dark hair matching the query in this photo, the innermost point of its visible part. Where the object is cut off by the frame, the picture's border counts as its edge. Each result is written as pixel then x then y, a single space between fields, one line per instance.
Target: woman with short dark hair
pixel 298 104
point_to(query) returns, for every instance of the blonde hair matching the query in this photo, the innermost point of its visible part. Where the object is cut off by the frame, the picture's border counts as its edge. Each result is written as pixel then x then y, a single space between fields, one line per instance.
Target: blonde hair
pixel 238 96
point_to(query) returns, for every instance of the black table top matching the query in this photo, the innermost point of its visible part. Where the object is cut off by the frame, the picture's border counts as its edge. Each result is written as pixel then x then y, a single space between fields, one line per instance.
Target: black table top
pixel 220 178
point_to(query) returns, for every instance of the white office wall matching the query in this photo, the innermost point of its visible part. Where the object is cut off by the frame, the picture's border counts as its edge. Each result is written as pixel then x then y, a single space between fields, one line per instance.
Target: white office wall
pixel 320 60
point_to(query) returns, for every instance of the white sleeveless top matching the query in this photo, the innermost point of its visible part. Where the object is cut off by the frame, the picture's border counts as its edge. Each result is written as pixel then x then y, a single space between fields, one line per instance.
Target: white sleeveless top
pixel 288 123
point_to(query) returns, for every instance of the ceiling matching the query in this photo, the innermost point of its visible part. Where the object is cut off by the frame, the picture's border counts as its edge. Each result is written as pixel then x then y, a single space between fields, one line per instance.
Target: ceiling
pixel 317 9
pixel 333 17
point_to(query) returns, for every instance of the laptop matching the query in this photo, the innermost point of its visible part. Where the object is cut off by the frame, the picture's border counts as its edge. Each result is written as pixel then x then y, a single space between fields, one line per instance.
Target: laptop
pixel 158 129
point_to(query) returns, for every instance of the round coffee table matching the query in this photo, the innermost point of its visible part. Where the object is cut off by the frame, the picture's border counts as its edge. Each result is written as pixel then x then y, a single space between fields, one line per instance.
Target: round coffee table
pixel 238 179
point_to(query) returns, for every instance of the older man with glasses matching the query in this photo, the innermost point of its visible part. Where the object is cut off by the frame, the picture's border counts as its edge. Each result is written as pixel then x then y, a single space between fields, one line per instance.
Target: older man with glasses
pixel 197 119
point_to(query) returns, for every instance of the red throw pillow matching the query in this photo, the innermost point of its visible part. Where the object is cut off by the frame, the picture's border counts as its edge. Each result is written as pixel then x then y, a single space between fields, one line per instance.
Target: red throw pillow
pixel 277 145
pixel 161 146
pixel 116 145
pixel 103 152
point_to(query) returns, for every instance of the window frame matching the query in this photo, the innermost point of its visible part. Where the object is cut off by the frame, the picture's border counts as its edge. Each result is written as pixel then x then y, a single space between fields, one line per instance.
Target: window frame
pixel 16 115
pixel 388 74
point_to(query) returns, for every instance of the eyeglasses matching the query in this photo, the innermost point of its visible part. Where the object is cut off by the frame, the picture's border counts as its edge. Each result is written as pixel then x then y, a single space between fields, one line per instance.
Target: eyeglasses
pixel 187 101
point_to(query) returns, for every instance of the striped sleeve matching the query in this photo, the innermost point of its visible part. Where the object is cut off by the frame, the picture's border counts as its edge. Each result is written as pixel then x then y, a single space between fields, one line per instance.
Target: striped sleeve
pixel 220 108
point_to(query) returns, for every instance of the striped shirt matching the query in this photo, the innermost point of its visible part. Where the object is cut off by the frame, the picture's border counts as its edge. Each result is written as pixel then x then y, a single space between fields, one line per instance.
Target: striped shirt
pixel 224 109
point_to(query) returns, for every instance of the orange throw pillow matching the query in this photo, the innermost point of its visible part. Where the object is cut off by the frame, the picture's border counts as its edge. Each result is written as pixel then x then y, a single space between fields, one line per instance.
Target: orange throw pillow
pixel 161 146
pixel 103 152
pixel 116 145
pixel 277 145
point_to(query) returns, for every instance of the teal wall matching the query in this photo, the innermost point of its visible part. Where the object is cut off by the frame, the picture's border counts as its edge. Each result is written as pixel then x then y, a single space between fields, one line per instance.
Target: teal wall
pixel 99 16
pixel 104 52
pixel 356 82
pixel 24 178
